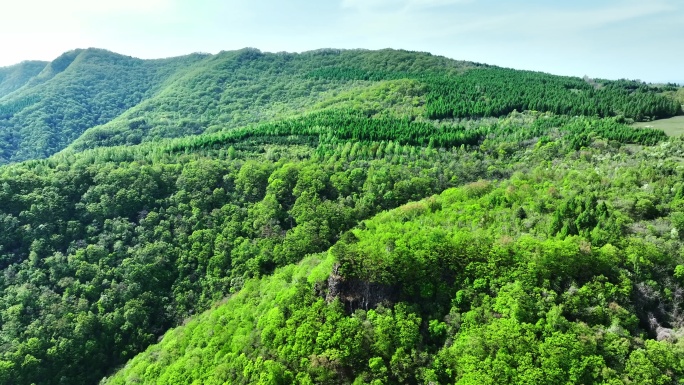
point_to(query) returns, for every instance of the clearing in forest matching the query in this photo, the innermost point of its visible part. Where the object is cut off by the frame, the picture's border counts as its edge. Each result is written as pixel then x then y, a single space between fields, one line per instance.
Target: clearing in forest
pixel 672 126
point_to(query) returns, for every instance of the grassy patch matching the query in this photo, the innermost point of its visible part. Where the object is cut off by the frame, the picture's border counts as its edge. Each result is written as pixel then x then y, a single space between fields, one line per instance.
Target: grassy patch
pixel 672 126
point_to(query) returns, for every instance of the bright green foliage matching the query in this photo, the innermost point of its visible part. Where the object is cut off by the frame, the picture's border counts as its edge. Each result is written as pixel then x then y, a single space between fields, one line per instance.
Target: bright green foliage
pixel 558 259
pixel 122 243
pixel 107 249
pixel 460 288
pixel 490 91
pixel 90 98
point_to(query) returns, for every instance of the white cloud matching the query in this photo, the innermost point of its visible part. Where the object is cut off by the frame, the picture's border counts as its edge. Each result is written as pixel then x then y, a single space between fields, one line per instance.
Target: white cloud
pixel 124 6
pixel 434 3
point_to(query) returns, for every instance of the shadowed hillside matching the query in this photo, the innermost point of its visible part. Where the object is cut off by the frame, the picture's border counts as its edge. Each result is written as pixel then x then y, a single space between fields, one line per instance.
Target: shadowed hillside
pixel 14 77
pixel 76 91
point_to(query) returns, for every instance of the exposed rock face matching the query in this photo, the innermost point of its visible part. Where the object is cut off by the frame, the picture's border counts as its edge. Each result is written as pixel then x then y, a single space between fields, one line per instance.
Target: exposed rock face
pixel 662 320
pixel 357 294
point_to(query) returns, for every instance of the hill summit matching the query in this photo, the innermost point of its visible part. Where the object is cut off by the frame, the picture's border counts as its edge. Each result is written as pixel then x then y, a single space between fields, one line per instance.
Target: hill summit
pixel 92 97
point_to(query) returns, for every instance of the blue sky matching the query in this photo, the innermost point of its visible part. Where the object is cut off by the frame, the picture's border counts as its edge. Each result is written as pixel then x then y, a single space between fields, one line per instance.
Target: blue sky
pixel 636 39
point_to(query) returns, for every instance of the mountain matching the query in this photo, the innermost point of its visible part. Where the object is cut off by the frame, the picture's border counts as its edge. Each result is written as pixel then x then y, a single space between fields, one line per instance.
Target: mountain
pixel 78 90
pixel 14 77
pixel 90 98
pixel 337 217
pixel 233 89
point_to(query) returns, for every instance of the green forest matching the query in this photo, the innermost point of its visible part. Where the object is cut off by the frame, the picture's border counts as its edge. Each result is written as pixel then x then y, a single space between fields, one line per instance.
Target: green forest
pixel 336 217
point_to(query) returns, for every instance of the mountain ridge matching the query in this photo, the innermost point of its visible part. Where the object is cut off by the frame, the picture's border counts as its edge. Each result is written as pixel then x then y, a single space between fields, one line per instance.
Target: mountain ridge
pixel 16 76
pixel 337 217
pixel 98 97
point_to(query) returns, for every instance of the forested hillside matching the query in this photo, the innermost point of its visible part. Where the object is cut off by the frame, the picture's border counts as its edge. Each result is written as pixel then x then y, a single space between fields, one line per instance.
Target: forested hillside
pixel 14 77
pixel 237 88
pixel 337 217
pixel 233 89
pixel 76 91
pixel 570 274
pixel 90 98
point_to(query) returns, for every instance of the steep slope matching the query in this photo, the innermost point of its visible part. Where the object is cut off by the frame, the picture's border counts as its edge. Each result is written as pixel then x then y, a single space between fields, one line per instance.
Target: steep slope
pixel 14 77
pixel 107 249
pixel 76 91
pixel 104 249
pixel 119 100
pixel 236 88
pixel 545 278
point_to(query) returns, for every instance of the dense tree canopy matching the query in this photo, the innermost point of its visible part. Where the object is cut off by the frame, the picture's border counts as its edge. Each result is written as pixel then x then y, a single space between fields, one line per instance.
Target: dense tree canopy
pixel 14 77
pixel 555 275
pixel 78 90
pixel 336 217
pixel 90 98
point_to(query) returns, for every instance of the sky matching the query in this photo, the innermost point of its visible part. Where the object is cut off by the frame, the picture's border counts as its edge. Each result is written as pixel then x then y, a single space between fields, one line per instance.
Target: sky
pixel 635 39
